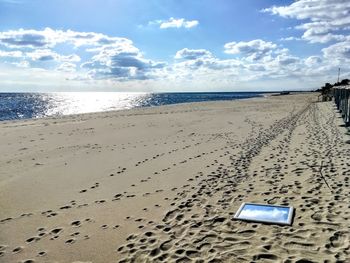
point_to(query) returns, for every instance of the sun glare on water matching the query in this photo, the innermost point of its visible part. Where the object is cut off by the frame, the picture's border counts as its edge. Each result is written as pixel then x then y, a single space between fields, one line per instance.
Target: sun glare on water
pixel 86 102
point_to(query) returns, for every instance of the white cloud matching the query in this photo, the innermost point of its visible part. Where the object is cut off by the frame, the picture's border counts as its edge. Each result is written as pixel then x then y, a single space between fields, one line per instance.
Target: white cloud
pixel 254 50
pixel 67 67
pixel 12 54
pixel 313 9
pixel 123 62
pixel 70 58
pixel 108 57
pixel 192 53
pixel 339 51
pixel 120 46
pixel 319 32
pixel 115 59
pixel 202 61
pixel 43 55
pixel 322 21
pixel 207 64
pixel 49 38
pixel 326 20
pixel 22 64
pixel 290 39
pixel 93 39
pixel 313 61
pixel 175 23
pixel 100 59
pixel 25 38
pixel 287 59
pixel 49 55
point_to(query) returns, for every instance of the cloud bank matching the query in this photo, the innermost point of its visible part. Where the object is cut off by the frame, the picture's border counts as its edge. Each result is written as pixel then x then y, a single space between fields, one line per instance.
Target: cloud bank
pixel 175 23
pixel 98 60
pixel 322 20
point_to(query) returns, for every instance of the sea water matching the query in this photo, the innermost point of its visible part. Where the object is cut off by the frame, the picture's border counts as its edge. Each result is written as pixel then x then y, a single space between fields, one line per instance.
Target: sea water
pixel 37 105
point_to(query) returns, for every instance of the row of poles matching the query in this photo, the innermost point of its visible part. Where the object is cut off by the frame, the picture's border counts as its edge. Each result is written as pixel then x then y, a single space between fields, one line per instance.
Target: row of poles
pixel 341 98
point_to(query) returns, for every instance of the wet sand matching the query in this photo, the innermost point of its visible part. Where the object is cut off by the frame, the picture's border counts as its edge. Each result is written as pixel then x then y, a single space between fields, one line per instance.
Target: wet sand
pixel 162 184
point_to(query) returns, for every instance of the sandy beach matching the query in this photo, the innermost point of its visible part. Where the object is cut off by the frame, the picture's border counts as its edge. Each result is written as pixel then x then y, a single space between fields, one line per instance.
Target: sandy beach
pixel 162 184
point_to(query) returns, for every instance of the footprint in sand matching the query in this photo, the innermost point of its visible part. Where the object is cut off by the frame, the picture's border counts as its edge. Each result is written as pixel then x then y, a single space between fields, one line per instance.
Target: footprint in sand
pixel 70 241
pixel 42 253
pixel 6 220
pixel 32 239
pixel 76 223
pixel 65 207
pixel 56 231
pixel 2 250
pixel 17 250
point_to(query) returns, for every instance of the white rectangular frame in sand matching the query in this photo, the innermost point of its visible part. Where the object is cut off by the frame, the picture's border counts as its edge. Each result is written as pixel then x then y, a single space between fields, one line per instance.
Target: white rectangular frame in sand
pixel 264 213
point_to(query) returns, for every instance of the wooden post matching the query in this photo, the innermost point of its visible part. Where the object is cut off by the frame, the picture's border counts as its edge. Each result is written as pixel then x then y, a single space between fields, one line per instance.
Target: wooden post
pixel 342 101
pixel 347 105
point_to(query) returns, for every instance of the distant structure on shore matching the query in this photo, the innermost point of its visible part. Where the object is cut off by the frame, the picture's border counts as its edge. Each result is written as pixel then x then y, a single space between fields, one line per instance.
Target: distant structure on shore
pixel 341 96
pixel 340 91
pixel 327 91
pixel 284 93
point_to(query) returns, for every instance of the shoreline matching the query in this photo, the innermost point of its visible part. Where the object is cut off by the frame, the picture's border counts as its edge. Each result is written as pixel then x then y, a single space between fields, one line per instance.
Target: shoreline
pixel 53 117
pixel 163 183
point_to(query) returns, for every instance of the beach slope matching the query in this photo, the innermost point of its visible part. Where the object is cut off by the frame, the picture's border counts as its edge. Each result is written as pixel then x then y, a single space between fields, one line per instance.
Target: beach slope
pixel 162 184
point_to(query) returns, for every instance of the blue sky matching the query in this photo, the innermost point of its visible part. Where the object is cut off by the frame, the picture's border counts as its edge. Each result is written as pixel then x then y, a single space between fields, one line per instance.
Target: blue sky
pixel 172 45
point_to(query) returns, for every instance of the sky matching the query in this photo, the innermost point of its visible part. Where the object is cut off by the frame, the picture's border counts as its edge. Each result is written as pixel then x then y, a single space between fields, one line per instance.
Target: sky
pixel 172 45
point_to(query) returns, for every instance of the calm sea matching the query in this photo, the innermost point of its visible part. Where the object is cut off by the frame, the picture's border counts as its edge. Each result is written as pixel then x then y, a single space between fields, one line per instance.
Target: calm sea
pixel 37 105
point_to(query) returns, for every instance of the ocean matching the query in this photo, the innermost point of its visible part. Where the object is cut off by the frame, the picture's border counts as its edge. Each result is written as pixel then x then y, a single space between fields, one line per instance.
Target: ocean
pixel 15 106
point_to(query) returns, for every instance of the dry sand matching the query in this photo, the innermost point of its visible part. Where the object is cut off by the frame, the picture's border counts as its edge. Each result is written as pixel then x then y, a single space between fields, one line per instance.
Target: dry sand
pixel 162 184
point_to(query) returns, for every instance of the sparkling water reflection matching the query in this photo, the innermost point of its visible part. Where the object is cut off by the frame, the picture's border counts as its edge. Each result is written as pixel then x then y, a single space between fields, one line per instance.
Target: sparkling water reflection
pixel 37 105
pixel 84 102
